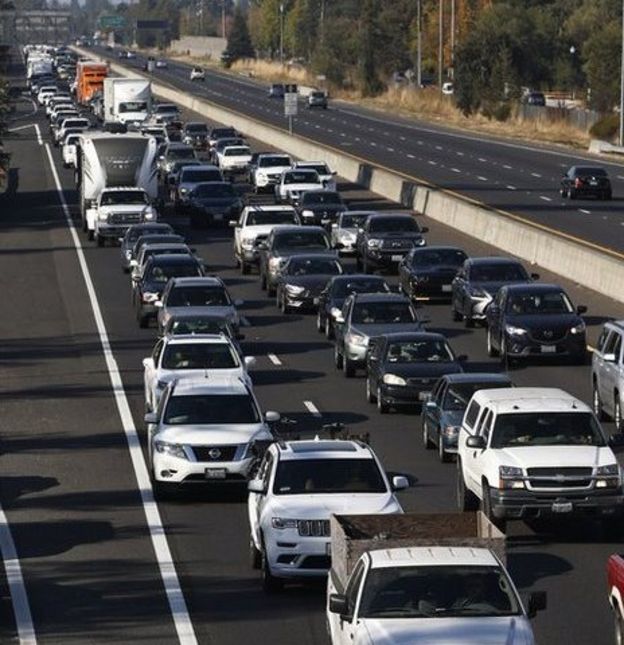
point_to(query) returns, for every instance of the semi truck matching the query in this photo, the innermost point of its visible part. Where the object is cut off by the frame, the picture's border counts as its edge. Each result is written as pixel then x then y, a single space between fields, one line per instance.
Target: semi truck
pixel 127 100
pixel 90 77
pixel 423 578
pixel 118 183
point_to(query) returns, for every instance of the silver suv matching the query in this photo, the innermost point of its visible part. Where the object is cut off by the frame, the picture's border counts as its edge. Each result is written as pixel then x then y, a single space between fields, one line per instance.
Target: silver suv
pixel 608 374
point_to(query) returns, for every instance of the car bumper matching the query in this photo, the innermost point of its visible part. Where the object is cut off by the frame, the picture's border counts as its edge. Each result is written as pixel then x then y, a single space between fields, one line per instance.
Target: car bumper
pixel 302 302
pixel 148 309
pixel 293 556
pixel 404 395
pixel 384 259
pixel 525 348
pixel 180 471
pixel 518 504
pixel 116 230
pixel 423 291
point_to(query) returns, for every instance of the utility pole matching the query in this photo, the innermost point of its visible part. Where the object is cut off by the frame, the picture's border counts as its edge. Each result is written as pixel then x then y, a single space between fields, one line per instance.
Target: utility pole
pixel 441 44
pixel 453 39
pixel 419 43
pixel 281 16
pixel 622 84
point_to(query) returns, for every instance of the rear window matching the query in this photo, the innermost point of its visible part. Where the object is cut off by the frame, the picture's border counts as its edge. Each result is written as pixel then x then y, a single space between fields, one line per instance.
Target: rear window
pixel 198 296
pixel 199 356
pixel 379 313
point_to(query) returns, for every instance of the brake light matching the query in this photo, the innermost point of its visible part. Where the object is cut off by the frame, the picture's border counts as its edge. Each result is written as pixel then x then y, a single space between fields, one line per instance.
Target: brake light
pixel 578 182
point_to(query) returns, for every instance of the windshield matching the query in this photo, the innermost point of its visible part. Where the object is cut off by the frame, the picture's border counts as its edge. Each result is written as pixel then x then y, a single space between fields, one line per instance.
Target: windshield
pixel 592 172
pixel 181 153
pixel 199 356
pixel 196 128
pixel 200 325
pixel 313 266
pixel 503 272
pixel 270 162
pixel 459 394
pixel 546 429
pixel 257 218
pixel 554 302
pixel 352 221
pixel 444 257
pixel 72 141
pixel 378 313
pixel 438 591
pixel 124 197
pixel 305 239
pixel 215 190
pixel 198 296
pixel 211 409
pixel 133 106
pixel 195 176
pixel 321 197
pixel 162 273
pixel 308 476
pixel 302 177
pixel 240 151
pixel 419 351
pixel 156 238
pixel 343 288
pixel 388 224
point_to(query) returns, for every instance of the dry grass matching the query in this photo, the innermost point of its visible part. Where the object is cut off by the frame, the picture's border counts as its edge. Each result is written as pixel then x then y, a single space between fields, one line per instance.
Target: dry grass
pixel 425 104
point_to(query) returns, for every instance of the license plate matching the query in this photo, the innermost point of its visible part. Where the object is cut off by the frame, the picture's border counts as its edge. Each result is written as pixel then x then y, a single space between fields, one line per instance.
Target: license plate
pixel 396 258
pixel 215 473
pixel 548 349
pixel 562 507
pixel 447 288
pixel 218 217
pixel 328 548
pixel 423 396
pixel 593 183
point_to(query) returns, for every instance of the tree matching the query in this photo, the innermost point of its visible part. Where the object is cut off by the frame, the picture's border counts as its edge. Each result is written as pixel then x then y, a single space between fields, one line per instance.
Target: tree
pixel 603 55
pixel 239 41
pixel 370 82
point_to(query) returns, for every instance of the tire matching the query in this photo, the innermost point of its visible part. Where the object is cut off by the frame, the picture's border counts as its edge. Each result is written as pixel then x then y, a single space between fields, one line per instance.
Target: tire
pixel 270 584
pixel 597 404
pixel 608 196
pixel 572 193
pixel 365 268
pixel 85 228
pixel 284 308
pixel 469 323
pixel 338 358
pixel 564 193
pixel 270 290
pixel 90 235
pixel 244 267
pixel 427 443
pixel 618 626
pixel 255 556
pixel 358 264
pixel 348 368
pixel 329 330
pixel 506 362
pixel 382 406
pixel 142 320
pixel 320 326
pixel 457 316
pixel 617 414
pixel 491 350
pixel 466 500
pixel 263 281
pixel 443 456
pixel 486 503
pixel 100 241
pixel 371 397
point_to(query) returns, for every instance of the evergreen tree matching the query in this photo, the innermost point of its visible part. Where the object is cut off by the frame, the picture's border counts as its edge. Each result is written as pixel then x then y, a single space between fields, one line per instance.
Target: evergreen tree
pixel 239 41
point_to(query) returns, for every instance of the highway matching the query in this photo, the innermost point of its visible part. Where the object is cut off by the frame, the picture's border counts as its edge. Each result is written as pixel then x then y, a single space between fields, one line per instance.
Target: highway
pixel 504 174
pixel 69 489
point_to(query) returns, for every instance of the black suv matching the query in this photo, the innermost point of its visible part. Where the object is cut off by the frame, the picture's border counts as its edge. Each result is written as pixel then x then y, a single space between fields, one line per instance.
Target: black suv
pixel 320 207
pixel 535 320
pixel 586 181
pixel 386 239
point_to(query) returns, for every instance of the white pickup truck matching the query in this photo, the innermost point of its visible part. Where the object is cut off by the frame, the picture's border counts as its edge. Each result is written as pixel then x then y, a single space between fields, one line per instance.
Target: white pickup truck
pixel 421 578
pixel 533 452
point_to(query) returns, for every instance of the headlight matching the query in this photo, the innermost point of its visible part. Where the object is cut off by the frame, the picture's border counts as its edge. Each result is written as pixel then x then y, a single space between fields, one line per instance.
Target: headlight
pixel 307 213
pixel 294 290
pixel 393 379
pixel 477 292
pixel 247 243
pixel 102 216
pixel 374 244
pixel 335 312
pixel 148 215
pixel 510 477
pixel 260 176
pixel 421 242
pixel 171 449
pixel 450 431
pixel 148 296
pixel 515 331
pixel 183 191
pixel 578 329
pixel 275 264
pixel 611 476
pixel 283 523
pixel 356 339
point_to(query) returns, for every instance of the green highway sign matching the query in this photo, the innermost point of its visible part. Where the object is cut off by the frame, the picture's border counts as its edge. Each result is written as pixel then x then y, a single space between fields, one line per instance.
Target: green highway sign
pixel 112 22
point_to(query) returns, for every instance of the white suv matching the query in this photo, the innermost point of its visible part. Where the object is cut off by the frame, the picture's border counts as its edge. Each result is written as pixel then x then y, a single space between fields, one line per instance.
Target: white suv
pixel 608 374
pixel 268 170
pixel 531 452
pixel 298 486
pixel 205 431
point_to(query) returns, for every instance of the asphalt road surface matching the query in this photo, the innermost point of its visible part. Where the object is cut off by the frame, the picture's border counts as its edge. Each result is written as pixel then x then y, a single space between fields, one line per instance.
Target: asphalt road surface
pixel 513 176
pixel 68 486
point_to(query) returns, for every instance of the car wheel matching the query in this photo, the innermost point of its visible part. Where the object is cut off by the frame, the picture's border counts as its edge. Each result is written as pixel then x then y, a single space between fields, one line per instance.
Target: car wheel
pixel 263 281
pixel 90 235
pixel 617 413
pixel 329 330
pixel 382 406
pixel 142 320
pixel 270 583
pixel 506 362
pixel 469 323
pixel 457 316
pixel 348 367
pixel 320 325
pixel 365 267
pixel 358 263
pixel 244 267
pixel 370 394
pixel 491 350
pixel 337 358
pixel 270 289
pixel 597 403
pixel 608 195
pixel 284 308
pixel 443 456
pixel 572 193
pixel 499 523
pixel 427 443
pixel 255 557
pixel 563 192
pixel 101 241
pixel 466 500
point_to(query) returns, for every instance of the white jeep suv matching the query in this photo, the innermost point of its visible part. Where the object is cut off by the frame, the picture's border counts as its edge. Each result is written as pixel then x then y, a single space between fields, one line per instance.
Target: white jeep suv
pixel 298 486
pixel 533 452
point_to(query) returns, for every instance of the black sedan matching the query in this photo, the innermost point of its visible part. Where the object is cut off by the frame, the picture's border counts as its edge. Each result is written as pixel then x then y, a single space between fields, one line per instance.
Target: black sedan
pixel 535 320
pixel 213 202
pixel 477 283
pixel 403 368
pixel 133 234
pixel 302 279
pixel 586 181
pixel 333 296
pixel 148 287
pixel 320 207
pixel 427 273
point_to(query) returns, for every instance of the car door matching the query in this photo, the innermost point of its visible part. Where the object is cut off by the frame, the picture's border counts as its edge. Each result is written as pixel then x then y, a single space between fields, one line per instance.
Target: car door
pixel 610 370
pixel 257 501
pixel 238 233
pixel 404 273
pixel 459 288
pixel 150 373
pixel 340 328
pixel 375 363
pixel 345 629
pixel 598 361
pixel 435 411
pixel 473 459
pixel 495 316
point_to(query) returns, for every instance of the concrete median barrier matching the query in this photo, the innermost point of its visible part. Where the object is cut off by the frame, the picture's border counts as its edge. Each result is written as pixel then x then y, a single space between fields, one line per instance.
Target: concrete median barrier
pixel 587 264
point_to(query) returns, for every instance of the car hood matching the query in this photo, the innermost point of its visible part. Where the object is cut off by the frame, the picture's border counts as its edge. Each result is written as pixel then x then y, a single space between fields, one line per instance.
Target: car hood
pixel 384 328
pixel 234 159
pixel 544 321
pixel 235 372
pixel 273 170
pixel 302 187
pixel 424 370
pixel 434 271
pixel 321 506
pixel 211 435
pixel 556 456
pixel 210 202
pixel 323 208
pixel 286 253
pixel 512 630
pixel 251 232
pixel 492 287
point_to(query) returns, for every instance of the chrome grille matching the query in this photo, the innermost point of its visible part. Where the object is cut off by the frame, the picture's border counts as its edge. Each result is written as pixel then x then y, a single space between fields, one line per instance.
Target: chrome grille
pixel 125 218
pixel 574 477
pixel 313 528
pixel 215 453
pixel 549 335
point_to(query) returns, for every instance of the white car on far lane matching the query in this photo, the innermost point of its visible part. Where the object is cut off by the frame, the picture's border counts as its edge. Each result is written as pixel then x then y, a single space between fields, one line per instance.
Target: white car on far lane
pixel 178 357
pixel 293 182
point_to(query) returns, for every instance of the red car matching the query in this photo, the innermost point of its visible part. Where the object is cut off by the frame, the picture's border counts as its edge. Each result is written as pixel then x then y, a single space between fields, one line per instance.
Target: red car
pixel 615 579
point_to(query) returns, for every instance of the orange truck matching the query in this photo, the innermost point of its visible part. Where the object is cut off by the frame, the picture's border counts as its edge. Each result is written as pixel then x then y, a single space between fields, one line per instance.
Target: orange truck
pixel 90 77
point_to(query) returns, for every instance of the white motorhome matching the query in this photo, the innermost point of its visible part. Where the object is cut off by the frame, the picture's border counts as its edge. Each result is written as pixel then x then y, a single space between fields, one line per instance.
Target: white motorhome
pixel 110 166
pixel 127 100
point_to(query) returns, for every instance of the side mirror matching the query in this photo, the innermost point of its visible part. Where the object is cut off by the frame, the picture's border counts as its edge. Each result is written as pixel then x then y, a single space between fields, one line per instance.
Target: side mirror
pixel 535 276
pixel 537 602
pixel 158 304
pixel 150 418
pixel 400 482
pixel 478 443
pixel 616 441
pixel 338 604
pixel 609 358
pixel 272 417
pixel 256 486
pixel 339 319
pixel 134 263
pixel 250 361
pixel 148 362
pixel 581 309
pixel 120 240
pixel 432 405
pixel 233 223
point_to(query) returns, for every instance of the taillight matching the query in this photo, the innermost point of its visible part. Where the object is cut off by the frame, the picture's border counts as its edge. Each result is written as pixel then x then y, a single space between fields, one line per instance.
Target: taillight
pixel 578 182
